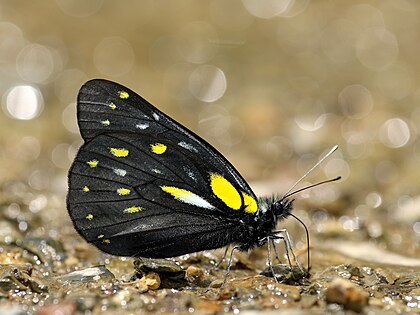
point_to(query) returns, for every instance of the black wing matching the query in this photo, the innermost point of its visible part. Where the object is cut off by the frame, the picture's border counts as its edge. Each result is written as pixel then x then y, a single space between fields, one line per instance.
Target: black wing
pixel 144 185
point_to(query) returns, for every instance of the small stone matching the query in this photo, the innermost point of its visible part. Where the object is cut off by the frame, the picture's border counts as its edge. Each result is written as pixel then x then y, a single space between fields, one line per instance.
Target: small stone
pixel 139 285
pixel 285 274
pixel 64 308
pixel 346 293
pixel 171 274
pixel 216 283
pixel 152 280
pixel 87 275
pixel 194 274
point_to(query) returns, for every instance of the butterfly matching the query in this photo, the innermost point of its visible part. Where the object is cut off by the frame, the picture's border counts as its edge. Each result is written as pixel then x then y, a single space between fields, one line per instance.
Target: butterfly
pixel 144 185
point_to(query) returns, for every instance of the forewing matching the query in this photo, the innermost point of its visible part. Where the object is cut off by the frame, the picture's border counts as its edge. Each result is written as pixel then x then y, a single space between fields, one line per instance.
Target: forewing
pixel 105 106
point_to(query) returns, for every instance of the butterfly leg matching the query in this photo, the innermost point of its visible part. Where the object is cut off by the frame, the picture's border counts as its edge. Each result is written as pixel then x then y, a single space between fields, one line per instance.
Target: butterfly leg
pixel 221 260
pixel 275 250
pixel 269 262
pixel 288 245
pixel 229 264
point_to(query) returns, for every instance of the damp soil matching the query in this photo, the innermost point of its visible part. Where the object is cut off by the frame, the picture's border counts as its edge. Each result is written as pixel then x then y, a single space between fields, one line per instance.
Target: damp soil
pixel 56 272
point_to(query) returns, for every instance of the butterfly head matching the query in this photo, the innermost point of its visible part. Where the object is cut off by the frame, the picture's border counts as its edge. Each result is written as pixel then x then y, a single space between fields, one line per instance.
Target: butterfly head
pixel 281 208
pixel 274 209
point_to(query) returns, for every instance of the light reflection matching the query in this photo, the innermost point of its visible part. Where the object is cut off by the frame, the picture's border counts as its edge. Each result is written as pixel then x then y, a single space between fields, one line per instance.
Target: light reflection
pixel 266 9
pixel 416 227
pixel 69 118
pixel 39 179
pixel 322 195
pixel 373 199
pixel 38 203
pixel 207 83
pixel 377 48
pixel 35 63
pixel 23 102
pixel 294 8
pixel 365 16
pixel 357 150
pixel 310 123
pixel 338 40
pixel 355 101
pixel 60 155
pixel 375 229
pixel 311 114
pixel 11 43
pixel 235 133
pixel 408 209
pixel 214 121
pixel 28 148
pixel 349 223
pixel 395 133
pixel 80 8
pixel 363 212
pixel 195 42
pixel 336 167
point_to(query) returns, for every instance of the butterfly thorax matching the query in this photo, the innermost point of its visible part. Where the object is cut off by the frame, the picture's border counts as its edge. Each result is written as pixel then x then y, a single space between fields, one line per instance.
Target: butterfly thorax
pixel 271 211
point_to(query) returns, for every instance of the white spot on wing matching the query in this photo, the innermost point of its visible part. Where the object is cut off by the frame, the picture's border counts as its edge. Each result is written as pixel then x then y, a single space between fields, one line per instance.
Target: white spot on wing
pixel 187 146
pixel 142 126
pixel 120 172
pixel 190 173
pixel 195 200
pixel 137 228
pixel 155 116
pixel 156 171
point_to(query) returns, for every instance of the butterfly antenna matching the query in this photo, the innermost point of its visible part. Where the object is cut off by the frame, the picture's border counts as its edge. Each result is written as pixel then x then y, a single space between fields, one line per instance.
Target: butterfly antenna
pixel 288 193
pixel 313 185
pixel 307 238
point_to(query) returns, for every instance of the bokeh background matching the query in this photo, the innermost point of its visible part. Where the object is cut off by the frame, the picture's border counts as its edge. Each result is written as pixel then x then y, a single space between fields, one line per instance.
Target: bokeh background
pixel 271 84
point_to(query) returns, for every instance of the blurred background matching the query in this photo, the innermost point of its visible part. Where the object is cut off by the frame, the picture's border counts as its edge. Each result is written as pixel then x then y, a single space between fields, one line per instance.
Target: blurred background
pixel 271 84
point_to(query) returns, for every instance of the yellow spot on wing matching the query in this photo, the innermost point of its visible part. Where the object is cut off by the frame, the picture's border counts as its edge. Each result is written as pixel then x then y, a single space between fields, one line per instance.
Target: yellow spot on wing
pixel 158 148
pixel 92 163
pixel 250 203
pixel 106 241
pixel 123 94
pixel 85 189
pixel 105 122
pixel 123 191
pixel 89 216
pixel 133 209
pixel 118 152
pixel 225 191
pixel 112 105
pixel 101 236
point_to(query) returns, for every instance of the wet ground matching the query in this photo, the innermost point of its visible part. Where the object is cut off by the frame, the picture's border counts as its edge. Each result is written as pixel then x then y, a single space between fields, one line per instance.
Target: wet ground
pixel 350 272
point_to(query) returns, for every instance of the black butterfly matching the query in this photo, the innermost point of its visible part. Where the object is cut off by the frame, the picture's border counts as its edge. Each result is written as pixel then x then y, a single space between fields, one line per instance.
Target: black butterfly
pixel 144 185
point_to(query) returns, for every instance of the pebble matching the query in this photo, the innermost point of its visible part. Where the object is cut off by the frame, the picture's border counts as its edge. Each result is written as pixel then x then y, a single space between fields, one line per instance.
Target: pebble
pixel 346 293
